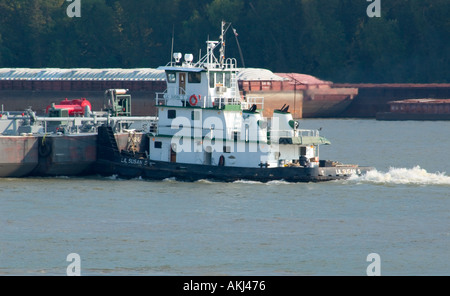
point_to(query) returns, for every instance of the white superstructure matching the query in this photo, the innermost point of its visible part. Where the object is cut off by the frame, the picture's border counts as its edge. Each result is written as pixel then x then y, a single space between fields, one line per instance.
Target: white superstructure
pixel 203 119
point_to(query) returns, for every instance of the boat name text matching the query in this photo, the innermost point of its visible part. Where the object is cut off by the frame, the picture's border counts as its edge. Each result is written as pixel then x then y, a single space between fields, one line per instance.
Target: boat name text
pixel 348 171
pixel 127 160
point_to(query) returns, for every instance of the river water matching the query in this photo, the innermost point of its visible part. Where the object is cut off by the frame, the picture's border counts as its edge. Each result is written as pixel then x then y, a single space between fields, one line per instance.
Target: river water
pixel 401 212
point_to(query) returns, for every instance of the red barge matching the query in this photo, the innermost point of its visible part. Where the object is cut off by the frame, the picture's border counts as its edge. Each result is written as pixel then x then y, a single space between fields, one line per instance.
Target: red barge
pixel 417 109
pixel 308 96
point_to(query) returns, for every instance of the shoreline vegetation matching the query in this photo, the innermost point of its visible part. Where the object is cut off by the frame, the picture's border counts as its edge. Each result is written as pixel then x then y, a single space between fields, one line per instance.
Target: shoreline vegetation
pixel 331 39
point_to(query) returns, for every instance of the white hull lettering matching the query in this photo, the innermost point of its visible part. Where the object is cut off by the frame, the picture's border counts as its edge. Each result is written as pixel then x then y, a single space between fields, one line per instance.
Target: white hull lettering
pixel 126 160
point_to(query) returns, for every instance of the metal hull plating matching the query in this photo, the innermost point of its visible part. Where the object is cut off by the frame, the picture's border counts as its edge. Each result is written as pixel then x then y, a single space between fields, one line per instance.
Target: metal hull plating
pixel 19 155
pixel 113 160
pixel 60 144
pixel 129 167
pixel 66 155
pixel 52 155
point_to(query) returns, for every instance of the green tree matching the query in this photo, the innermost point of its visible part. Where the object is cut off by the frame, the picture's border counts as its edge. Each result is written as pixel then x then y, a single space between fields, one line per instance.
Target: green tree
pixel 332 39
pixel 322 40
pixel 380 50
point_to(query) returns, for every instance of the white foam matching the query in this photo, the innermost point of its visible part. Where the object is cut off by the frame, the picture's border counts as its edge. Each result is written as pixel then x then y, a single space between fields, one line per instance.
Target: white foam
pixel 415 176
pixel 279 182
pixel 273 182
pixel 205 181
pixel 112 177
pixel 246 182
pixel 171 179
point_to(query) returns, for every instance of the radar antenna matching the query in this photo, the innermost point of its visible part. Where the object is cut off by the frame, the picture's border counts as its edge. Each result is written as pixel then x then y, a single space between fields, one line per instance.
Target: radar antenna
pixel 224 29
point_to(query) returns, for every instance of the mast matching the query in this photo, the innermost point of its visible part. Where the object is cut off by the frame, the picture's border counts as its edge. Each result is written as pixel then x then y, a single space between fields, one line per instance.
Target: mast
pixel 224 29
pixel 171 51
pixel 222 44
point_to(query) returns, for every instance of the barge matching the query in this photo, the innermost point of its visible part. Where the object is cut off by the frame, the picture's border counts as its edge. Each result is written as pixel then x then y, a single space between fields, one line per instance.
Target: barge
pixel 417 109
pixel 64 142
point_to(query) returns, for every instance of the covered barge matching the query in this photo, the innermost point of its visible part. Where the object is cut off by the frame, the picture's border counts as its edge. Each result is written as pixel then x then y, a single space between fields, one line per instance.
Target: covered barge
pixel 308 96
pixel 417 109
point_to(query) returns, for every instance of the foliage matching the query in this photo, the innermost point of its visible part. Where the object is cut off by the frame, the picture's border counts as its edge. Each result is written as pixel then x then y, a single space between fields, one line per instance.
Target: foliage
pixel 332 39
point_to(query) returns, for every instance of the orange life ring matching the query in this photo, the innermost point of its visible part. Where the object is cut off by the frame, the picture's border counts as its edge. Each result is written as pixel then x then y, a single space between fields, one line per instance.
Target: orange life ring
pixel 193 100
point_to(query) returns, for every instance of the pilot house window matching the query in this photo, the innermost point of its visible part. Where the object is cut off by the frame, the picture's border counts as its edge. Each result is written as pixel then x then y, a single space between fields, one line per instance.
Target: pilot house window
pixel 211 80
pixel 219 79
pixel 227 79
pixel 171 77
pixel 194 78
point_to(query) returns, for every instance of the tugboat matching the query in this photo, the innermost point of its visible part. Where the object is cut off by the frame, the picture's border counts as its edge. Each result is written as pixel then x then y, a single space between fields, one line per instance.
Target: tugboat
pixel 205 129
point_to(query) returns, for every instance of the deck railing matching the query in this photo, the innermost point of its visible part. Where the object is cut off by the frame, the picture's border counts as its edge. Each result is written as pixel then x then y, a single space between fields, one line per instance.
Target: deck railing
pixel 250 101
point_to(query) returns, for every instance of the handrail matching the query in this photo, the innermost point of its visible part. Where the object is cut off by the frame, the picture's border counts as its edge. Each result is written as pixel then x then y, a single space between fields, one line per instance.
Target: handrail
pixel 162 97
pixel 295 133
pixel 73 124
pixel 250 101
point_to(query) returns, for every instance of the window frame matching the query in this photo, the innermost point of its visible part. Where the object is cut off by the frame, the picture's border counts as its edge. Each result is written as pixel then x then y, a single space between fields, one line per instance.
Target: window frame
pixel 171 77
pixel 194 77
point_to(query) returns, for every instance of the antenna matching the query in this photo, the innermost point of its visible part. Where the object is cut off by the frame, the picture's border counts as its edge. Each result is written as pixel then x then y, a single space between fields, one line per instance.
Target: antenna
pixel 222 41
pixel 171 51
pixel 239 47
pixel 222 44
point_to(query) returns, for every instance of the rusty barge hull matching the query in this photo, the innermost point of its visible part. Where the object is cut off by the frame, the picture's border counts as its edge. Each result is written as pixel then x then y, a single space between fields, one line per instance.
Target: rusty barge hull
pixel 417 109
pixel 388 116
pixel 19 155
pixel 305 104
pixel 53 155
pixel 35 87
pixel 306 95
pixel 374 99
pixel 70 155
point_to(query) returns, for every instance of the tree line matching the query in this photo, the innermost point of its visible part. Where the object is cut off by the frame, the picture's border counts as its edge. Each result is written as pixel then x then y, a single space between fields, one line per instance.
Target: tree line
pixel 331 39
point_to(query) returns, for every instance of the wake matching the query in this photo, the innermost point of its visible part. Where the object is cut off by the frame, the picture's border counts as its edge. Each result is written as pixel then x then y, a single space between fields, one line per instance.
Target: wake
pixel 414 176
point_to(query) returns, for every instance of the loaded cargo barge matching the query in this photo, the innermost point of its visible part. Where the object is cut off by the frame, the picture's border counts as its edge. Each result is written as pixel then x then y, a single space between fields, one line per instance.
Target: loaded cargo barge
pixel 375 98
pixel 417 109
pixel 308 96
